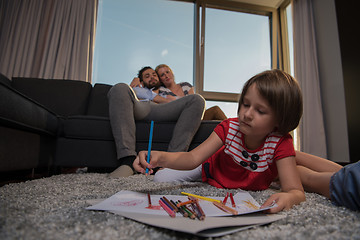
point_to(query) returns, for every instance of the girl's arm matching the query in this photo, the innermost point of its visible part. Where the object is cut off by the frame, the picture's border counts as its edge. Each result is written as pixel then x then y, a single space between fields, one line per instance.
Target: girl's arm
pixel 179 160
pixel 292 190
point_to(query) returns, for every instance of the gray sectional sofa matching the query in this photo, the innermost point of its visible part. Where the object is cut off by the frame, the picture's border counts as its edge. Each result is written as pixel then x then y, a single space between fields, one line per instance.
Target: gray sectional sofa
pixel 49 123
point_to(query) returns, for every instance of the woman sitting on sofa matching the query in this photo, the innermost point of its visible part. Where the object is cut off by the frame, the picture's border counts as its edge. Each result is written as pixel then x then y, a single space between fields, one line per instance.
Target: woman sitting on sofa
pixel 171 88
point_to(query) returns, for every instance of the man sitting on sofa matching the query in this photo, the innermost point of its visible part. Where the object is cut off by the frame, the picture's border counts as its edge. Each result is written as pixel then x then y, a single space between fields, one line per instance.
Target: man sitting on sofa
pixel 125 107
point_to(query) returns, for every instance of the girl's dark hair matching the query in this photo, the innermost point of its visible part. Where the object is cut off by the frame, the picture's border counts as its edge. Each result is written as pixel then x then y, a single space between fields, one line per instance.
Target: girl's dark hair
pixel 283 94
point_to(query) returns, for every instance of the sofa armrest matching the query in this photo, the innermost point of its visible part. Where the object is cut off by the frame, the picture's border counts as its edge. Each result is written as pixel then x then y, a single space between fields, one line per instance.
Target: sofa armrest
pixel 4 80
pixel 19 111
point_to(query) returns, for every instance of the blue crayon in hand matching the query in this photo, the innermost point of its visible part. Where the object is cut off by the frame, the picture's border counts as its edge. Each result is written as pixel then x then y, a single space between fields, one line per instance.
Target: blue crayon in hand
pixel 149 147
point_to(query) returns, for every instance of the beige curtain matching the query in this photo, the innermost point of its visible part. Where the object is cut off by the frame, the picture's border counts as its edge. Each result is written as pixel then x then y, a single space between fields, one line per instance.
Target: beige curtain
pixel 312 130
pixel 47 38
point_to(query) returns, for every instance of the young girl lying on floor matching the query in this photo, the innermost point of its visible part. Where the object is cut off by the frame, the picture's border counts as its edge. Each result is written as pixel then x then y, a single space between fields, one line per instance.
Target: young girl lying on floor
pixel 248 152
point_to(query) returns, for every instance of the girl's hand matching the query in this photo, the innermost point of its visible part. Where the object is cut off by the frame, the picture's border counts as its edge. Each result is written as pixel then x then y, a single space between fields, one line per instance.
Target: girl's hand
pixel 292 190
pixel 140 163
pixel 284 201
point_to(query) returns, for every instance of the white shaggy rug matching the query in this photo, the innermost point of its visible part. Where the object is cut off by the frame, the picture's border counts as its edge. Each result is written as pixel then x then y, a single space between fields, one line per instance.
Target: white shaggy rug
pixel 54 208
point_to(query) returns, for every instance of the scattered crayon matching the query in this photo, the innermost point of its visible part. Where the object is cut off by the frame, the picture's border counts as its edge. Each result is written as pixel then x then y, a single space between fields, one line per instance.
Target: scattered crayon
pixel 232 200
pixel 202 214
pixel 170 204
pixel 184 203
pixel 183 212
pixel 167 204
pixel 225 208
pixel 149 200
pixel 201 197
pixel 226 197
pixel 199 210
pixel 167 209
pixel 188 211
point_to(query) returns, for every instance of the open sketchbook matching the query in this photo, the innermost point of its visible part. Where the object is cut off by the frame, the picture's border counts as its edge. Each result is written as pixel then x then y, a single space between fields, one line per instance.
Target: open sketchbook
pixel 135 205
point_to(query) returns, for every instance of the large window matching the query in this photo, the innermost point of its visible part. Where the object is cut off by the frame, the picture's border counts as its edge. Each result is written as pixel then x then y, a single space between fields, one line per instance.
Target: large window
pixel 237 46
pixel 215 45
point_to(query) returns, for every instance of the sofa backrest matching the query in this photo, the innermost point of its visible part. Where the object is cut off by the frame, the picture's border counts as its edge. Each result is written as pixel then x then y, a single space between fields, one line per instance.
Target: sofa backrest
pixel 64 97
pixel 98 102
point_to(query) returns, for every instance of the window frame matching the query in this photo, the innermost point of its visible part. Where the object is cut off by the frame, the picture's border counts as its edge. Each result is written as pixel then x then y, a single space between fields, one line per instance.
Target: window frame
pixel 285 49
pixel 199 35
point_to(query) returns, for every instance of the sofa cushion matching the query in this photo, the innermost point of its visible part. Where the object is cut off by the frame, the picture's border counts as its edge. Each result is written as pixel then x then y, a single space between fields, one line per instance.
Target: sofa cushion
pixel 88 140
pixel 86 127
pixel 64 97
pixel 99 128
pixel 98 102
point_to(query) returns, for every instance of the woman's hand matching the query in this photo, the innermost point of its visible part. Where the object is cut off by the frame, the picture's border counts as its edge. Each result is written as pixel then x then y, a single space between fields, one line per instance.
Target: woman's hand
pixel 135 82
pixel 172 98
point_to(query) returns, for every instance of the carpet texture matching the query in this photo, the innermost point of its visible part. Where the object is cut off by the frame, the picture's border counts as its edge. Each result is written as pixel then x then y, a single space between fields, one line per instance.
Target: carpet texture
pixel 54 208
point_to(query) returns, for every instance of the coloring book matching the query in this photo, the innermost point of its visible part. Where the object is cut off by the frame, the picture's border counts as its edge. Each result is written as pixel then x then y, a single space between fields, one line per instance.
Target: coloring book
pixel 136 206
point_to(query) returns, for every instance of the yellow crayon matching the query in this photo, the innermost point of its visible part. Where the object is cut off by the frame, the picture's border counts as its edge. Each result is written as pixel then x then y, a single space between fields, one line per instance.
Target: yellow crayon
pixel 200 197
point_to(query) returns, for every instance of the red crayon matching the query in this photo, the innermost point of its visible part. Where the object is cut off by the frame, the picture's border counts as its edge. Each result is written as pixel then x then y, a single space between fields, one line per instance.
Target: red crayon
pixel 149 200
pixel 226 197
pixel 232 200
